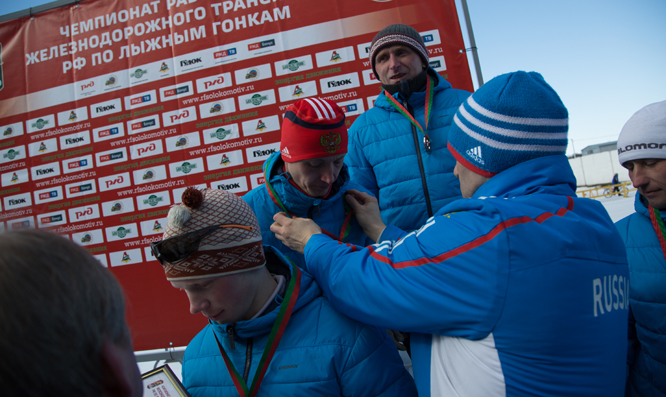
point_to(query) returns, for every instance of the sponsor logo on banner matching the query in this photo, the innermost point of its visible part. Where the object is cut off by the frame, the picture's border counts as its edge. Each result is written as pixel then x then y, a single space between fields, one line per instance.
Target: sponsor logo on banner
pixel 301 90
pixel 293 65
pixel 15 177
pixel 148 175
pixel 48 195
pixel 51 219
pixel 232 185
pixel 261 153
pixel 213 109
pixel 164 67
pixel 112 156
pixel 113 182
pixel 21 223
pixel 17 201
pixel 138 73
pixel 105 133
pixel 11 154
pixel 179 116
pixel 75 140
pixel 364 50
pixel 89 237
pixel 352 108
pixel 39 123
pixel 43 147
pixel 178 193
pixel 146 149
pixel 121 232
pixel 222 160
pixel 431 37
pixel 254 73
pixel 260 126
pixel 335 56
pixel 180 90
pixel 438 63
pixel 226 55
pixel 72 116
pixel 127 257
pixel 188 64
pixel 369 77
pixel 223 133
pixel 153 226
pixel 214 82
pixel 339 83
pixel 106 108
pixel 116 207
pixel 45 171
pixel 187 167
pixel 141 99
pixel 86 88
pixel 261 98
pixel 111 82
pixel 153 200
pixel 80 188
pixel 257 180
pixel 182 142
pixel 261 45
pixel 142 125
pixel 11 131
pixel 371 101
pixel 84 213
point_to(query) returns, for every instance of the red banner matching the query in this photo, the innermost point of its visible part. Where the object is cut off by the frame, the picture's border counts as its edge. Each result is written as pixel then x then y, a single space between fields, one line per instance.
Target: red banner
pixel 108 110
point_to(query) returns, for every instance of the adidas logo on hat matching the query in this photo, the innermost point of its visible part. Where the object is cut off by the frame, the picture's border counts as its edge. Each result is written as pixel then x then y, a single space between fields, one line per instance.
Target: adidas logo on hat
pixel 475 153
pixel 285 152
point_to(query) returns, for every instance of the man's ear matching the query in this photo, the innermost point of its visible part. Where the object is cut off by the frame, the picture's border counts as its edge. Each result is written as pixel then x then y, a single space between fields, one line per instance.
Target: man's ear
pixel 120 373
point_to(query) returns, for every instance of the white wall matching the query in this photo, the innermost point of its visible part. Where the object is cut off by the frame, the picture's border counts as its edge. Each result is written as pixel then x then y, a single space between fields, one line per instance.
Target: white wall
pixel 598 169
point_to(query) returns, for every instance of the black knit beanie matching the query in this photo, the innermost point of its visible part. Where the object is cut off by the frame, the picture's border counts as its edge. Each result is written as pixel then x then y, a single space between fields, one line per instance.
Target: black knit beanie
pixel 398 34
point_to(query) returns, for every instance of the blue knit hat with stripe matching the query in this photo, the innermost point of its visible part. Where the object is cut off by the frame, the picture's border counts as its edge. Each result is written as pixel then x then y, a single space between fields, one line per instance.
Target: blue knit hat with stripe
pixel 513 118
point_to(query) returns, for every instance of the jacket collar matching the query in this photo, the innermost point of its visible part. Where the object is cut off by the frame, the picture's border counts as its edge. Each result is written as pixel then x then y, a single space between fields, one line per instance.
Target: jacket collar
pixel 418 98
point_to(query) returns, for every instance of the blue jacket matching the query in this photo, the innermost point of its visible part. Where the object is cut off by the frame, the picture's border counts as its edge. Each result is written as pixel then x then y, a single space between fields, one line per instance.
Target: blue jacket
pixel 329 214
pixel 322 352
pixel 520 290
pixel 383 157
pixel 647 292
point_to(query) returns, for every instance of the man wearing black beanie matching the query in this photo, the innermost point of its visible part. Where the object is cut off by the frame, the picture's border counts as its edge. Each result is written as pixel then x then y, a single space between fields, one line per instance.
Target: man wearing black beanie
pixel 397 149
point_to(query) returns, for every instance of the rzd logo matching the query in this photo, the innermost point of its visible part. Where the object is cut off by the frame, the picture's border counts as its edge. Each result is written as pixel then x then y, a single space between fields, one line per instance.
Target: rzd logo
pixel 219 80
pixel 89 85
pixel 180 116
pixel 114 181
pixel 88 211
pixel 150 148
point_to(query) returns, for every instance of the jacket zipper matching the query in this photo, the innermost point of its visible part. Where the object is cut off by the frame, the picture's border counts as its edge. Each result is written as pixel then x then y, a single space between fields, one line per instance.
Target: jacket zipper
pixel 230 332
pixel 248 360
pixel 418 155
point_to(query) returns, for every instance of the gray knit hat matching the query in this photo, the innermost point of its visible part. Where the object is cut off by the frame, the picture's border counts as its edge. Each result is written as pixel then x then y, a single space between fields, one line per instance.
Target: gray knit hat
pixel 644 134
pixel 398 34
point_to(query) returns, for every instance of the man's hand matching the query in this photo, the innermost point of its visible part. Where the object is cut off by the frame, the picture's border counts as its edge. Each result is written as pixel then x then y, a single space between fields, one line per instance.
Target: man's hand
pixel 366 210
pixel 294 232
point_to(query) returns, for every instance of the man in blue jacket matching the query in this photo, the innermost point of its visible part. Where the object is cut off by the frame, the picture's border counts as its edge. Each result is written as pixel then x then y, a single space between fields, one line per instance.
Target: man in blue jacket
pixel 397 150
pixel 308 177
pixel 269 327
pixel 520 288
pixel 641 149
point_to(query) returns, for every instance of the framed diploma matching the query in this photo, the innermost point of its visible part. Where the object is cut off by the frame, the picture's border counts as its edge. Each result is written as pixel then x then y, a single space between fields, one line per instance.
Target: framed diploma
pixel 161 382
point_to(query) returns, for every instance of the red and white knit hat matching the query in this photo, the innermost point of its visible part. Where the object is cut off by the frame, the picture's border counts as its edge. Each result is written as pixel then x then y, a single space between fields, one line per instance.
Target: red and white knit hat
pixel 226 251
pixel 313 128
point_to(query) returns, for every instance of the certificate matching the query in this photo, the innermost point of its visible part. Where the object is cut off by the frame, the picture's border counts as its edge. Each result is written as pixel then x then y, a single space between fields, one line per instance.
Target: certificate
pixel 161 382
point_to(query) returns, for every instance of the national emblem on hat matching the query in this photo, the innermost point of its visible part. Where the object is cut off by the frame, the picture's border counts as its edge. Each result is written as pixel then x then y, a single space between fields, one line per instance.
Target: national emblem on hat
pixel 313 128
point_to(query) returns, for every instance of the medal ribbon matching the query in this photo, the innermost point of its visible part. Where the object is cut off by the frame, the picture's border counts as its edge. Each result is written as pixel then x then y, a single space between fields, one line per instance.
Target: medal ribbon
pixel 346 225
pixel 659 228
pixel 286 308
pixel 430 91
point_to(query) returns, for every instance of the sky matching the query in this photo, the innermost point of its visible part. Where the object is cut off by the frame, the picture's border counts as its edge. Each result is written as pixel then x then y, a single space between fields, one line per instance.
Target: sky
pixel 605 58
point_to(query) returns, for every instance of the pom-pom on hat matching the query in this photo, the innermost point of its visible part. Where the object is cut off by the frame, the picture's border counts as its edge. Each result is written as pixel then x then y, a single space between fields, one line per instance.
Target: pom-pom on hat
pixel 313 128
pixel 644 134
pixel 398 34
pixel 512 118
pixel 227 250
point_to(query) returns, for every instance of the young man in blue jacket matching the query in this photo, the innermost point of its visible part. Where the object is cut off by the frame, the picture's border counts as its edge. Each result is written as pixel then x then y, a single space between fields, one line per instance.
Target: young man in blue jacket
pixel 397 150
pixel 641 149
pixel 270 330
pixel 308 177
pixel 520 288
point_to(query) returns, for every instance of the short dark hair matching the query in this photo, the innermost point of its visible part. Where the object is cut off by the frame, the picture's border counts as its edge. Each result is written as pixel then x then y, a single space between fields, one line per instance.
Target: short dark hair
pixel 57 306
